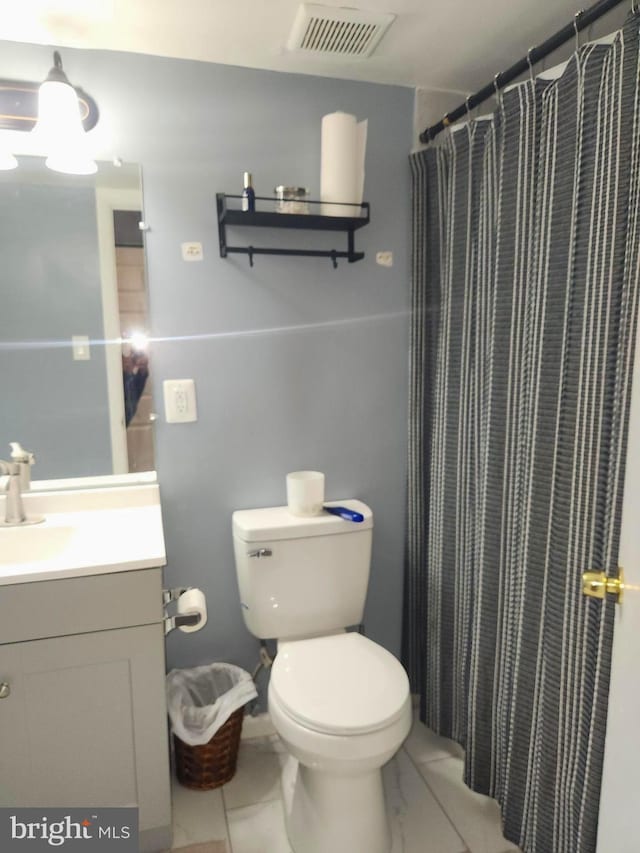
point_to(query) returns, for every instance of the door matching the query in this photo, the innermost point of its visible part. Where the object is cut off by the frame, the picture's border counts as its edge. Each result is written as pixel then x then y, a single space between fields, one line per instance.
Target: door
pixel 134 323
pixel 620 798
pixel 108 201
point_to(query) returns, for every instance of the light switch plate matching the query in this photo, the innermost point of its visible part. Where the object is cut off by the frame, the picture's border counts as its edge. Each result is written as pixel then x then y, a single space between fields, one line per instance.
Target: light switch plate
pixel 179 401
pixel 81 347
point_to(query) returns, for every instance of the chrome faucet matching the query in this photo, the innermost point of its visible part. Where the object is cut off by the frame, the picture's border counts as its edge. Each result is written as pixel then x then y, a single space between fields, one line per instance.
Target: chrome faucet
pixel 18 471
pixel 14 509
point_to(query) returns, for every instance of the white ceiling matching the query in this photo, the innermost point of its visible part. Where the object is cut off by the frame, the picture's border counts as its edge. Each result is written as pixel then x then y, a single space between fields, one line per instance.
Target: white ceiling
pixel 432 44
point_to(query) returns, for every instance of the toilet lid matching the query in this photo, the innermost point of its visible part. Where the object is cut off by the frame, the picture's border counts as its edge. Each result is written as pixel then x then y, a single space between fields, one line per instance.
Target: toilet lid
pixel 341 684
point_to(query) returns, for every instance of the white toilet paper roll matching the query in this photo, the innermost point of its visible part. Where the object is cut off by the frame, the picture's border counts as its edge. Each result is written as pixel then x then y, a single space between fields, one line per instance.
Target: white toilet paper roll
pixel 305 492
pixel 343 148
pixel 190 602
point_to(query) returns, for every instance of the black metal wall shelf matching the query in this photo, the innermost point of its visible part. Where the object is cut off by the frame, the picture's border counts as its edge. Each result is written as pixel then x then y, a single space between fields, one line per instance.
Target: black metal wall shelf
pixel 274 219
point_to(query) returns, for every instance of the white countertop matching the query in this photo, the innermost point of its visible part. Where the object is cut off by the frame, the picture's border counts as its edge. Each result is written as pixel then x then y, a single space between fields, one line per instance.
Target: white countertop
pixel 85 532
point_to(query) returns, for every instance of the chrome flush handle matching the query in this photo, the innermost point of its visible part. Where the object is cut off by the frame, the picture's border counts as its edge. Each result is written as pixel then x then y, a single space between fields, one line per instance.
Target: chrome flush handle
pixel 260 552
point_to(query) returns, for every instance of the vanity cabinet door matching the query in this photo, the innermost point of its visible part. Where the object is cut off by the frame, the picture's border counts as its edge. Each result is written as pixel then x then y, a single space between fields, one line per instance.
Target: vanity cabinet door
pixel 84 723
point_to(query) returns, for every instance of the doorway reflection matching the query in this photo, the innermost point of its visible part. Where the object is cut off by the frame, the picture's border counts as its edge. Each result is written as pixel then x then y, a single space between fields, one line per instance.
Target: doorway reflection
pixel 133 314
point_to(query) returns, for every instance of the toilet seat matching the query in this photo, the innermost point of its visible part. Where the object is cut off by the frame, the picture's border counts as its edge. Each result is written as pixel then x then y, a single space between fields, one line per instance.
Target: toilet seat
pixel 343 684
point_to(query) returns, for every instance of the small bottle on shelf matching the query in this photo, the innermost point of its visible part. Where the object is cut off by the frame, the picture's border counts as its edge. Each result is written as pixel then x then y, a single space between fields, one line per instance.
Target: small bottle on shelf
pixel 248 194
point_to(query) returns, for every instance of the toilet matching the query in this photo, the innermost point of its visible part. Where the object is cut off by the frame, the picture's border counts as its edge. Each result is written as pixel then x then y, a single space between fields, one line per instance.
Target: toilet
pixel 340 702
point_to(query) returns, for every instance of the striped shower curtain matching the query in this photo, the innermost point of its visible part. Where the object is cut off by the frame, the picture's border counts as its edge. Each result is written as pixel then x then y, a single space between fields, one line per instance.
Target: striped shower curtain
pixel 525 287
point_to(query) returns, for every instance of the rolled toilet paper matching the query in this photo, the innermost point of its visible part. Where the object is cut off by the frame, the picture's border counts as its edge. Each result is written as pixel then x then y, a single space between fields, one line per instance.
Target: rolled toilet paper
pixel 305 492
pixel 192 602
pixel 343 147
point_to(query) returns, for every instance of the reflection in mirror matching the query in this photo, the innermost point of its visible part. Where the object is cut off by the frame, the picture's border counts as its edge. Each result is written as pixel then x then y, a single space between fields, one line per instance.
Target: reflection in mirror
pixel 74 360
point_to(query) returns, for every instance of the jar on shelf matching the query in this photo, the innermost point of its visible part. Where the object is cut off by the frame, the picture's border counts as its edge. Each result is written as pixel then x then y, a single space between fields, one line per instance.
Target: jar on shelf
pixel 292 199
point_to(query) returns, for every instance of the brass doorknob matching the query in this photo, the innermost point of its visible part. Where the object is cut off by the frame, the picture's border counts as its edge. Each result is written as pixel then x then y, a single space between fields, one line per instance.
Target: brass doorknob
pixel 597 584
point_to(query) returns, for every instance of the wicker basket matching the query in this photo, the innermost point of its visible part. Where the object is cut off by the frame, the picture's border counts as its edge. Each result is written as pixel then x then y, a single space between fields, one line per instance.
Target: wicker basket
pixel 212 764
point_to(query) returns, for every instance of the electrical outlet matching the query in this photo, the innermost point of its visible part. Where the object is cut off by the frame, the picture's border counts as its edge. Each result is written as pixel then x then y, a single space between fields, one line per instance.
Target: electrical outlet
pixel 385 259
pixel 179 401
pixel 191 251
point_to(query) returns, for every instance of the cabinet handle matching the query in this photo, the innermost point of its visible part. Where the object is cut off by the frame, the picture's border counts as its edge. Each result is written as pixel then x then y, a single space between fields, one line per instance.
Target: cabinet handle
pixel 5 690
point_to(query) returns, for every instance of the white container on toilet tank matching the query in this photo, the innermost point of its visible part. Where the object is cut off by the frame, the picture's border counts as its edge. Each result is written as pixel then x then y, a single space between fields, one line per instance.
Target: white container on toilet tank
pixel 339 701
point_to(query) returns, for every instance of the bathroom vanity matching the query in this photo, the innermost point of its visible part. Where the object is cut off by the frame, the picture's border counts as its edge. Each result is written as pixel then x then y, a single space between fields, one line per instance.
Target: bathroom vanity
pixel 82 668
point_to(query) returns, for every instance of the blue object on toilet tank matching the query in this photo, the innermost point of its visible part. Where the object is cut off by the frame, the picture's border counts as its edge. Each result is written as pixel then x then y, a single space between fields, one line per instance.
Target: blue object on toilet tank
pixel 343 512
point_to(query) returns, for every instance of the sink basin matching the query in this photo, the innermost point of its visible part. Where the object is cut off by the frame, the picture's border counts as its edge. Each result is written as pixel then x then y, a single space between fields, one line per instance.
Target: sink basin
pixel 85 532
pixel 27 544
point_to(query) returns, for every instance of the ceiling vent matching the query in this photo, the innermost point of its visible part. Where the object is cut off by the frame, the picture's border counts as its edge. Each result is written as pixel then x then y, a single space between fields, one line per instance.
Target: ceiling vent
pixel 330 31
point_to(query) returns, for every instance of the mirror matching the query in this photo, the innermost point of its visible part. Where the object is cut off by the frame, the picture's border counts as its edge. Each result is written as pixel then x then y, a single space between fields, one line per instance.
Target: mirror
pixel 74 368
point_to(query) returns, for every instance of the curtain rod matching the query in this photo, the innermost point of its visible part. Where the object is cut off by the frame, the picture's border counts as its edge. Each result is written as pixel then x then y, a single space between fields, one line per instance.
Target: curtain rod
pixel 581 20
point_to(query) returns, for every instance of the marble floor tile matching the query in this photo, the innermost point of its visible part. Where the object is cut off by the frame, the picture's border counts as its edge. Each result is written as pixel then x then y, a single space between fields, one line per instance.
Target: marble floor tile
pixel 423 745
pixel 198 816
pixel 418 824
pixel 276 744
pixel 476 817
pixel 259 725
pixel 258 828
pixel 257 777
pixel 430 809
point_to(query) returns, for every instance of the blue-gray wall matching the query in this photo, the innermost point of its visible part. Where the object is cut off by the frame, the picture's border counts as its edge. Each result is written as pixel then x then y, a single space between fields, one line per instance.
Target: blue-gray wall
pixel 49 291
pixel 296 365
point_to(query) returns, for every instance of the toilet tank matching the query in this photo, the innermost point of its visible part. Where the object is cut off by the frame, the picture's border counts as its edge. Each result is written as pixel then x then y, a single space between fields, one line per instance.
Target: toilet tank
pixel 301 576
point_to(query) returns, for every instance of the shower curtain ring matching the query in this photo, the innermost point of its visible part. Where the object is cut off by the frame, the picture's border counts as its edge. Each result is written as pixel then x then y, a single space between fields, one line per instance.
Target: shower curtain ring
pixel 466 103
pixel 530 64
pixel 496 87
pixel 576 19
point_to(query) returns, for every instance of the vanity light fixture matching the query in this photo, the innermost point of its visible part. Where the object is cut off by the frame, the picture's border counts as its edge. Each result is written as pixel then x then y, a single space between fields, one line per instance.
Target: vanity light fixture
pixel 27 106
pixel 59 124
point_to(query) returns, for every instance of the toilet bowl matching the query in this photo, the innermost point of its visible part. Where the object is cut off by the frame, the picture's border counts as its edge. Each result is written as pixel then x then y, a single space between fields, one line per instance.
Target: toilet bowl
pixel 342 707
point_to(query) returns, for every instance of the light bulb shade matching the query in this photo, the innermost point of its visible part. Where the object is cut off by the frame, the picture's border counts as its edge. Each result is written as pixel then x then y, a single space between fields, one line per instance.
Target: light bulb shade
pixel 71 163
pixel 58 124
pixel 59 128
pixel 7 161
